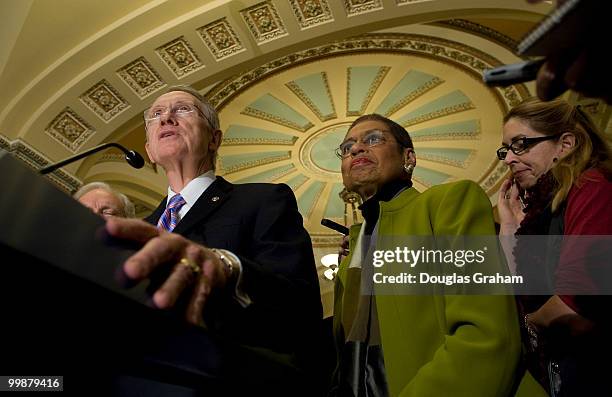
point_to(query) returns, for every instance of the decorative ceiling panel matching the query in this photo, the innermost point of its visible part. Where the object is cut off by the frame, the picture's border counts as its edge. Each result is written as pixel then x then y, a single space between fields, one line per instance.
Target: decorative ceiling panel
pixel 357 7
pixel 270 175
pixel 179 57
pixel 335 207
pixel 463 130
pixel 450 103
pixel 264 22
pixel 362 83
pixel 221 39
pixel 233 163
pixel 405 2
pixel 70 130
pixel 310 13
pixel 428 177
pixel 104 100
pixel 268 107
pixel 455 157
pixel 237 134
pixel 140 76
pixel 414 84
pixel 297 181
pixel 314 91
pixel 308 199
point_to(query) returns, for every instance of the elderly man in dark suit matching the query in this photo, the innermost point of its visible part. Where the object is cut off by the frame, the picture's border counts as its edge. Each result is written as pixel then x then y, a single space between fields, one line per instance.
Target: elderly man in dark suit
pixel 242 260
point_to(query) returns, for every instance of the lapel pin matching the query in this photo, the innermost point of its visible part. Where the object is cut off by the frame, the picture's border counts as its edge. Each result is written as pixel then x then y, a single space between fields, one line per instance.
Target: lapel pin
pixel 216 198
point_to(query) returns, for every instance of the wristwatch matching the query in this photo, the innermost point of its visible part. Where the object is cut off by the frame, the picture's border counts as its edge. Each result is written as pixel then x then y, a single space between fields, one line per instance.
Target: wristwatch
pixel 227 262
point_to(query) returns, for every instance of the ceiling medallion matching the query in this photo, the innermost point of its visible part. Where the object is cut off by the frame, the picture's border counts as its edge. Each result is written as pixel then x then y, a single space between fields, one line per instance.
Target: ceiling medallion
pixel 317 151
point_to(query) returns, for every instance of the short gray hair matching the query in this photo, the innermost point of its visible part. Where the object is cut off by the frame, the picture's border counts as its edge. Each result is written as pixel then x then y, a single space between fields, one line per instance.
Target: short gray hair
pixel 207 109
pixel 128 207
pixel 205 106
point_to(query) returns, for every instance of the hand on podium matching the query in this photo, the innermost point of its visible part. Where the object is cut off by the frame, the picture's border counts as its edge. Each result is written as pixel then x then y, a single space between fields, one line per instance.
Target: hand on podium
pixel 197 269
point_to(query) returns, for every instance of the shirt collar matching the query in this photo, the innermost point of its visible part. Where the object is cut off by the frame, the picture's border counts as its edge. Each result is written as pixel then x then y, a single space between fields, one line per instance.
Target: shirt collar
pixel 194 189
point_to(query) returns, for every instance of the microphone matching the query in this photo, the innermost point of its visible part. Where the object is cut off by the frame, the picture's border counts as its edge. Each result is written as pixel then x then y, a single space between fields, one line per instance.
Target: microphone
pixel 335 226
pixel 131 156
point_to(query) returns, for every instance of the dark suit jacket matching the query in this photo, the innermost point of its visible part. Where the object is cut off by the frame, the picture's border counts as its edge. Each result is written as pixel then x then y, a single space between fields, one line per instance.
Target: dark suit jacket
pixel 259 223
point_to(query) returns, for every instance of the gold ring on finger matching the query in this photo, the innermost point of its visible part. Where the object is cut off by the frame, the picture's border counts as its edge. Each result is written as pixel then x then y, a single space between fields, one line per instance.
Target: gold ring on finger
pixel 191 264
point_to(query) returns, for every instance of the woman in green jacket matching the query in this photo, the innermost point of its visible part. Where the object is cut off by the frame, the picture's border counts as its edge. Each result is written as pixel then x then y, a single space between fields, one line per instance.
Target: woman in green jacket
pixel 426 344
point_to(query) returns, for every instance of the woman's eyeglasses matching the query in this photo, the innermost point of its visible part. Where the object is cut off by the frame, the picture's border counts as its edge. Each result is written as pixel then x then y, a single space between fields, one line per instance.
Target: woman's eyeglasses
pixel 519 145
pixel 370 139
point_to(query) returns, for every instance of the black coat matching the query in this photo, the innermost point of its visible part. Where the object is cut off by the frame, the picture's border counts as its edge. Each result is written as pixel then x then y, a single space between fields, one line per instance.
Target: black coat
pixel 260 224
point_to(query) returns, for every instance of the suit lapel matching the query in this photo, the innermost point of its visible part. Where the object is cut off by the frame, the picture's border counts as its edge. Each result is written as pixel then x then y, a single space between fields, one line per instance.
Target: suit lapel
pixel 209 201
pixel 155 215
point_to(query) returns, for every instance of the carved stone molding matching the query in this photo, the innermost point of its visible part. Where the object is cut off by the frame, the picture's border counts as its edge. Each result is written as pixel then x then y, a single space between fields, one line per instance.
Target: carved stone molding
pixel 253 163
pixel 437 158
pixel 119 158
pixel 480 30
pixel 140 76
pixel 36 160
pixel 493 177
pixel 358 7
pixel 69 129
pixel 179 57
pixel 264 22
pixel 467 58
pixel 104 100
pixel 221 39
pixel 310 13
pixel 405 2
pixel 249 111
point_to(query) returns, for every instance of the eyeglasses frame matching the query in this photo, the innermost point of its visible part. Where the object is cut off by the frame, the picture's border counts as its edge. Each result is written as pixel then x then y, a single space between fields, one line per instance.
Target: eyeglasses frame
pixel 527 143
pixel 339 153
pixel 197 109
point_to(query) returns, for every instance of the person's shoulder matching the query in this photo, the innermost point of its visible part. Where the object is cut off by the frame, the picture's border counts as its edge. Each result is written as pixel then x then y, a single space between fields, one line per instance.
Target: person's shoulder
pixel 453 194
pixel 262 188
pixel 457 187
pixel 594 176
pixel 591 184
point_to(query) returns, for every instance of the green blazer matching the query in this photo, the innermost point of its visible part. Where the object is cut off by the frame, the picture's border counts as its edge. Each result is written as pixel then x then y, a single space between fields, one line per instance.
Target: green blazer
pixel 441 345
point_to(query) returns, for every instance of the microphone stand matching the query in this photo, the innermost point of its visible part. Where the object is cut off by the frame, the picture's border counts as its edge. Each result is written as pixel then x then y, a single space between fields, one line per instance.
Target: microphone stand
pixel 131 156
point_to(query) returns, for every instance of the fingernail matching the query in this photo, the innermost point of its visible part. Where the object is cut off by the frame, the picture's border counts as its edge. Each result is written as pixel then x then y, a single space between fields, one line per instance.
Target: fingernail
pixel 132 269
pixel 162 299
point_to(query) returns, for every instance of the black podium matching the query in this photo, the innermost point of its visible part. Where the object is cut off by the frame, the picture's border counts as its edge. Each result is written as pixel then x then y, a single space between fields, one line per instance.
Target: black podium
pixel 67 311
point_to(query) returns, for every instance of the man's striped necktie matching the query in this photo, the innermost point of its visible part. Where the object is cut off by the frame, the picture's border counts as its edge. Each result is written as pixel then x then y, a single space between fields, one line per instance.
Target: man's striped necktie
pixel 169 218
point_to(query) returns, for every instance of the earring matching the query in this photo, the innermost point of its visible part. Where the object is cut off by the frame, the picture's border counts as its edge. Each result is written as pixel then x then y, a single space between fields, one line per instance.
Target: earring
pixel 408 168
pixel 555 159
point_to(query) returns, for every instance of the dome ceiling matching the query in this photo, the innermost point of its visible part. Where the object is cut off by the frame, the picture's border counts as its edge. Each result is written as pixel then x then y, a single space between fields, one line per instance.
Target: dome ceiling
pixel 284 126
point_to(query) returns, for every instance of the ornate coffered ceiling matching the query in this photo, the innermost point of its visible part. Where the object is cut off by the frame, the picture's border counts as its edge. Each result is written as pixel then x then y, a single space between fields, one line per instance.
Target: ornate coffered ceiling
pixel 287 76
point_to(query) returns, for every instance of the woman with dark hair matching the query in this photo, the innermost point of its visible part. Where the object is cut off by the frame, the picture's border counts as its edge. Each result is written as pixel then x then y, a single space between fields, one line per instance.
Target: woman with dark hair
pixel 561 184
pixel 402 344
